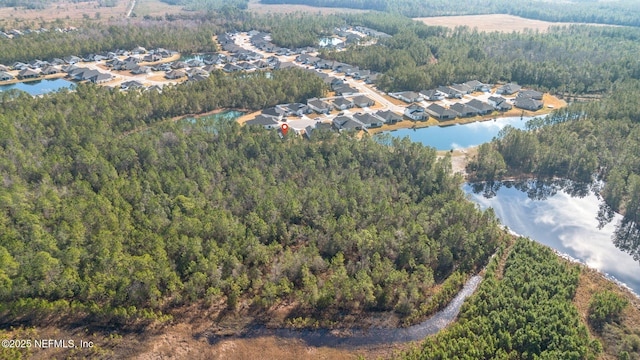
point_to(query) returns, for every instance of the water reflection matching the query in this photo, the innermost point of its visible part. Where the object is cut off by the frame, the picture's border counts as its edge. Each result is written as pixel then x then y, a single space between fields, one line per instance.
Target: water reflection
pixel 572 219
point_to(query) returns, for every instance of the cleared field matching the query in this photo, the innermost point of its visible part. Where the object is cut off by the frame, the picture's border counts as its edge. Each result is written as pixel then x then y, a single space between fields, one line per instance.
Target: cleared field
pixel 490 23
pixel 257 7
pixel 66 10
pixel 155 8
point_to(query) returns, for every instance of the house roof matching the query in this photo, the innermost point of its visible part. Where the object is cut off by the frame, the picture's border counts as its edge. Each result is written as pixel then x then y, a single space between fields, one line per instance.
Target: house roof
pixel 482 106
pixel 366 118
pixel 430 93
pixel 509 88
pixel 463 108
pixel 441 111
pixel 388 115
pixel 415 108
pixel 408 94
pixel 342 101
pixel 273 111
pixel 262 120
pixel 361 99
pixel 537 95
pixel 319 104
pixel 346 123
pixel 527 103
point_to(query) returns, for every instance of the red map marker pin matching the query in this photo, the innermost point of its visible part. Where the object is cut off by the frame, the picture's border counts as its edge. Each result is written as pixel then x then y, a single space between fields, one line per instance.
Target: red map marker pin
pixel 284 129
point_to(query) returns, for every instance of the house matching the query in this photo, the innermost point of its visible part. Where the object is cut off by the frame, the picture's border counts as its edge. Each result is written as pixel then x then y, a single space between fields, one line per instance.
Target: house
pixel 285 65
pixel 296 109
pixel 209 68
pixel 19 66
pixel 267 122
pixel 141 70
pixel 389 117
pixel 441 113
pixel 100 78
pixel 50 70
pixel 508 89
pixel 276 112
pixel 415 112
pixel 231 68
pixel 342 103
pixel 175 74
pixel 3 68
pixel 179 65
pixel 450 92
pixel 139 50
pixel 308 131
pixel 462 88
pixel 363 101
pixel 261 64
pixel 432 95
pixel 246 66
pixel 372 78
pixel 346 123
pixel 464 110
pixel 407 96
pixel 528 104
pixel 344 90
pixel 319 106
pixel 368 120
pixel 133 84
pixel 28 74
pixel 482 107
pixel 5 76
pixel 476 85
pixel 532 94
pixel 151 58
pixel 72 60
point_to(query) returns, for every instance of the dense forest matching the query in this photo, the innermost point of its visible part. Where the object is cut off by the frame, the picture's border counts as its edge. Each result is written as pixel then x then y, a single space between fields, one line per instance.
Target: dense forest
pixel 105 215
pixel 521 312
pixel 620 12
pixel 586 142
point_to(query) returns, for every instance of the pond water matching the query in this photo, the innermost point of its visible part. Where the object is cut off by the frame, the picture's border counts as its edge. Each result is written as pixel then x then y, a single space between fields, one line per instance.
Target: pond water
pixel 564 217
pixel 209 121
pixel 40 87
pixel 460 136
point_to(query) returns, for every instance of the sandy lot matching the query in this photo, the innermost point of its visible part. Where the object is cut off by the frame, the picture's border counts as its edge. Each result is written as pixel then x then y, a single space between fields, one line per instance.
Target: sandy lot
pixel 490 23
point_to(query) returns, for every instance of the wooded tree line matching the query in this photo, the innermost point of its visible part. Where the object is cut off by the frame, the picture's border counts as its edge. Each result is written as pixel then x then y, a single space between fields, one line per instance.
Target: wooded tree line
pixel 187 212
pixel 184 36
pixel 523 313
pixel 622 12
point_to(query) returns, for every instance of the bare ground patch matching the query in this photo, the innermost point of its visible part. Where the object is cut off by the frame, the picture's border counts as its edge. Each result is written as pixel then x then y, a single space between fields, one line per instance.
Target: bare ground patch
pixel 257 7
pixel 490 23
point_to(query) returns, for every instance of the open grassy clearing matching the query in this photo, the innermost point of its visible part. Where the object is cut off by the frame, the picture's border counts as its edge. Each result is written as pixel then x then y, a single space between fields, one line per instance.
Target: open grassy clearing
pixel 65 10
pixel 257 7
pixel 155 8
pixel 490 23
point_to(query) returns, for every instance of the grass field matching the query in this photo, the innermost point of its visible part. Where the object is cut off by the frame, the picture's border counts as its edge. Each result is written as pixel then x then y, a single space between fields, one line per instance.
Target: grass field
pixel 65 9
pixel 490 23
pixel 155 8
pixel 257 7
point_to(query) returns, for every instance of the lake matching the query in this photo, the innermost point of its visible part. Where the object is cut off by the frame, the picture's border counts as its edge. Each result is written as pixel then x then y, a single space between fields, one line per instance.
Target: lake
pixel 564 222
pixel 40 87
pixel 460 136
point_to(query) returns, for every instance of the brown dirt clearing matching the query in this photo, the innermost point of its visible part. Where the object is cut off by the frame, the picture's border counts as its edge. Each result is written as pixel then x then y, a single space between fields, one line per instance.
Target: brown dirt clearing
pixel 491 23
